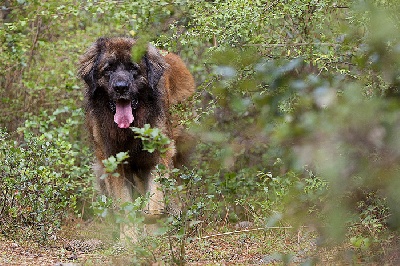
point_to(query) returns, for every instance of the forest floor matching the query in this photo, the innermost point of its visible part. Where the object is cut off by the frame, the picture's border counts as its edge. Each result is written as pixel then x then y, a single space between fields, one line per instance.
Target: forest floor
pixel 77 244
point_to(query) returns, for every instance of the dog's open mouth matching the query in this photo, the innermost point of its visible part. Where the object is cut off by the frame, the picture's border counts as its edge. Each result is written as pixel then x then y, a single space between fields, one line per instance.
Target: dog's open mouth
pixel 123 116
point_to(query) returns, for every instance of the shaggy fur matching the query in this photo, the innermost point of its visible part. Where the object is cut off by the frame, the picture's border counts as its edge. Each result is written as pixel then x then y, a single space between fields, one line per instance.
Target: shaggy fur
pixel 121 93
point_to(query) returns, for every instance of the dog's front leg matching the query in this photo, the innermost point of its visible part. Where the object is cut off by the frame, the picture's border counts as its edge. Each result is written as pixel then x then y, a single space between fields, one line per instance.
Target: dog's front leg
pixel 156 207
pixel 120 189
pixel 114 186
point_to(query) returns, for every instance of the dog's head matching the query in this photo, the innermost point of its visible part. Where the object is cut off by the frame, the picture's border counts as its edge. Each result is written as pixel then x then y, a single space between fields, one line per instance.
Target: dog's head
pixel 108 69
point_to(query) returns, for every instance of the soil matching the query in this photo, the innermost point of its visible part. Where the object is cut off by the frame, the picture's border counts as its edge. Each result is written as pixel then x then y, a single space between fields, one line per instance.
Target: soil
pixel 83 243
pixel 58 253
pixel 238 245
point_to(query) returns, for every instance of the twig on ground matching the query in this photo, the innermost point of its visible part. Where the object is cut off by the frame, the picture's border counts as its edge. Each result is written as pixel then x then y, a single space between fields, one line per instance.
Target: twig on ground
pixel 242 231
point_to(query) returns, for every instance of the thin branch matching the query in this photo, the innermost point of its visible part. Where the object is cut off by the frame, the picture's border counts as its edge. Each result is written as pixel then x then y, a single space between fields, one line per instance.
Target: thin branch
pixel 243 231
pixel 291 44
pixel 35 39
pixel 215 43
pixel 340 7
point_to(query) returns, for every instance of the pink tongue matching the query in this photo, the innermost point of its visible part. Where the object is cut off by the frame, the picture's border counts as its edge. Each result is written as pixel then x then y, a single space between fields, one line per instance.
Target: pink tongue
pixel 123 115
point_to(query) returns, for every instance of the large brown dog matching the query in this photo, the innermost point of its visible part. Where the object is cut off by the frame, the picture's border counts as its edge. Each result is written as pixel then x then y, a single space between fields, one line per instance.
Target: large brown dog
pixel 122 93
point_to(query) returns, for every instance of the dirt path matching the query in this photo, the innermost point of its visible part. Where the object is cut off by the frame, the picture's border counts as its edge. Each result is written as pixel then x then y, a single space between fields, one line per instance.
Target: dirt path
pixel 13 253
pixel 61 252
pixel 233 248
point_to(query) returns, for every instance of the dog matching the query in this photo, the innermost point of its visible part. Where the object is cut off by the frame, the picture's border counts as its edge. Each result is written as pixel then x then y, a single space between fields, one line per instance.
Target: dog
pixel 122 93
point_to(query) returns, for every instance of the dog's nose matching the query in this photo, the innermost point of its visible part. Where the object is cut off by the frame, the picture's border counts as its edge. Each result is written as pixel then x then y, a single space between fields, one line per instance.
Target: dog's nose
pixel 121 86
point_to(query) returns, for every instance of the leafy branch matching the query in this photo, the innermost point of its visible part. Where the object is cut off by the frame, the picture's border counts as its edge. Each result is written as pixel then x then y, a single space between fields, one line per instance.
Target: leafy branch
pixel 111 164
pixel 152 139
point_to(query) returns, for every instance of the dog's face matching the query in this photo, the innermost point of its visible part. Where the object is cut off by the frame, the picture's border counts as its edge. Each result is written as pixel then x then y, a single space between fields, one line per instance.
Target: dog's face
pixel 108 68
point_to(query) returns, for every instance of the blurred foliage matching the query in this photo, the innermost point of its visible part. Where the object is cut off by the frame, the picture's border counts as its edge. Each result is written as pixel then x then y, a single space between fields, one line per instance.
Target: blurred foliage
pixel 296 113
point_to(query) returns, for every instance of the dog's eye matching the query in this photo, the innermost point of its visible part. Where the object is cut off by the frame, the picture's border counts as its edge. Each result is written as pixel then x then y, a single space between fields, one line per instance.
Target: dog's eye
pixel 108 69
pixel 133 67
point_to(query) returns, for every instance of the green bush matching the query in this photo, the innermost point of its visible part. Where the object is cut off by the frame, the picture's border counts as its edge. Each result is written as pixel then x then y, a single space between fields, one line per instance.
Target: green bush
pixel 42 180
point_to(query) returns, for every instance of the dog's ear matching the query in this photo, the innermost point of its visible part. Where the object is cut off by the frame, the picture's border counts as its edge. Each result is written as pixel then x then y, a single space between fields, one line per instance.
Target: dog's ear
pixel 155 64
pixel 88 63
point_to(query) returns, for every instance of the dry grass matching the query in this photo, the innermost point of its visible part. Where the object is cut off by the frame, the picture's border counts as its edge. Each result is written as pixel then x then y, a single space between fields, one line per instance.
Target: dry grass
pixel 81 243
